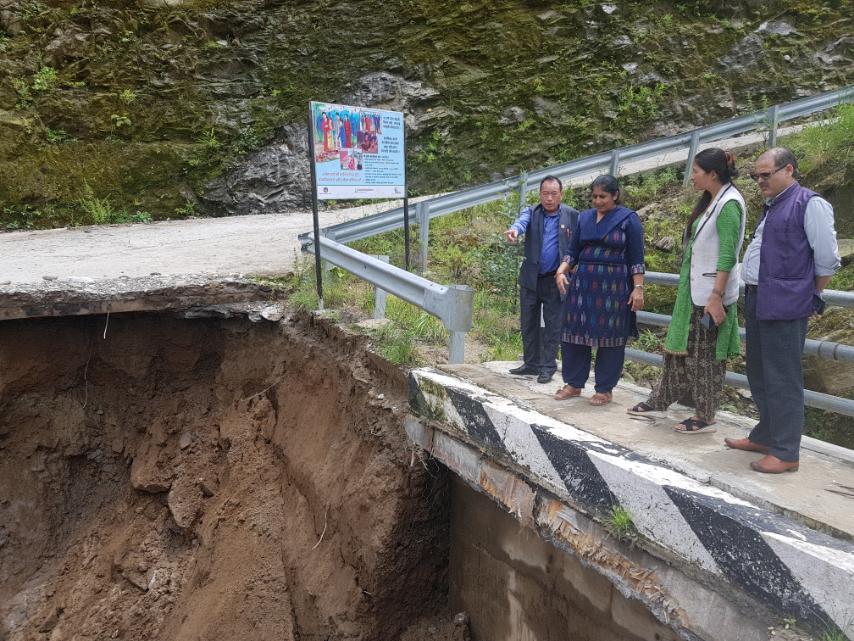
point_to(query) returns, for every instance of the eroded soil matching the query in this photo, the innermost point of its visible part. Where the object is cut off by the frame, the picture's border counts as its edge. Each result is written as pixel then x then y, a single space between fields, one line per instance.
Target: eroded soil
pixel 163 478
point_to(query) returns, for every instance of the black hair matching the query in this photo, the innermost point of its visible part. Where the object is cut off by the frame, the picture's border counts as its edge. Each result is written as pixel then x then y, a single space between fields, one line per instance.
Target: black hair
pixel 549 179
pixel 723 164
pixel 607 184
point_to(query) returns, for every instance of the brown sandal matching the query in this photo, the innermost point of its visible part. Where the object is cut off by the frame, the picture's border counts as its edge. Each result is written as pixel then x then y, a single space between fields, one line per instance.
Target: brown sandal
pixel 600 398
pixel 565 392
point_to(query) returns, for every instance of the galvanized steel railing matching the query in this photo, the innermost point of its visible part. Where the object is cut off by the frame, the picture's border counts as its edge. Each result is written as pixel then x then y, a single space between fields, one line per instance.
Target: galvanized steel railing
pixel 821 349
pixel 452 304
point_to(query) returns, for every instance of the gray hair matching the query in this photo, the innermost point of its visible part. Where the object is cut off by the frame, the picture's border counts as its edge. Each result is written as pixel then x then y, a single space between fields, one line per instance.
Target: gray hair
pixel 783 156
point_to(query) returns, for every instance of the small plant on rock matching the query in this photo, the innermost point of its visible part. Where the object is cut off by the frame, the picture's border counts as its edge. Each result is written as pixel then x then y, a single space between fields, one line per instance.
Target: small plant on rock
pixel 620 524
pixel 127 96
pixel 44 80
pixel 99 211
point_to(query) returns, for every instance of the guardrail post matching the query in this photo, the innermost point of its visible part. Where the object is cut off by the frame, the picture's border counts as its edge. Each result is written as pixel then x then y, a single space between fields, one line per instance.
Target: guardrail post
pixel 458 320
pixel 457 348
pixel 773 121
pixel 615 163
pixel 692 153
pixel 523 188
pixel 422 212
pixel 379 295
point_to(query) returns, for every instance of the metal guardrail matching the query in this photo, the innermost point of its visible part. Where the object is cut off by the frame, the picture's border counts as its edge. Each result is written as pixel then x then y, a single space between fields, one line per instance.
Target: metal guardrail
pixel 818 400
pixel 452 304
pixel 822 349
pixel 425 210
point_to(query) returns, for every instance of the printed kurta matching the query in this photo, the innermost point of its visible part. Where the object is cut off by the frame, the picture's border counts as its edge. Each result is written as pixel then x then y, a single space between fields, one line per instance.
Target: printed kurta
pixel 606 254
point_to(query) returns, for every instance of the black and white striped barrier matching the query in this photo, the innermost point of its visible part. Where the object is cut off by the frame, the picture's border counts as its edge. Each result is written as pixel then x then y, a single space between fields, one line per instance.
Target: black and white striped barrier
pixel 489 440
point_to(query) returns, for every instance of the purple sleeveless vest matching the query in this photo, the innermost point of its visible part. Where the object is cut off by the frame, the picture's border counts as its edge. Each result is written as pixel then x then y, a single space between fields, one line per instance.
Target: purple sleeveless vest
pixel 786 266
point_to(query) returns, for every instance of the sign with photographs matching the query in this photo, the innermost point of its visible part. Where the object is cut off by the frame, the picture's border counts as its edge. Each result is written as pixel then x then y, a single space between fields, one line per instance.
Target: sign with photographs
pixel 358 152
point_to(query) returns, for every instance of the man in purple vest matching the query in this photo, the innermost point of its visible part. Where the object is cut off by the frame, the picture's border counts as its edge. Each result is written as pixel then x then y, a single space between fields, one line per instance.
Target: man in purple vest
pixel 787 265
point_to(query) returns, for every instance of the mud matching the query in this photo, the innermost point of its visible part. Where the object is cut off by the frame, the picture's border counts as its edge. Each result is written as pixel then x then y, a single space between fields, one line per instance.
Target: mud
pixel 163 478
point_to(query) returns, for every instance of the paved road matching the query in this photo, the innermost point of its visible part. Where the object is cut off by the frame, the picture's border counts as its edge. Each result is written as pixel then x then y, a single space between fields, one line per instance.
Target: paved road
pixel 261 245
pixel 213 246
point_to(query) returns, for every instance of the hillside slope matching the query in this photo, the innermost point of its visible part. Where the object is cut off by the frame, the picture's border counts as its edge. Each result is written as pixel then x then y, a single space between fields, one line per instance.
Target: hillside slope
pixel 115 110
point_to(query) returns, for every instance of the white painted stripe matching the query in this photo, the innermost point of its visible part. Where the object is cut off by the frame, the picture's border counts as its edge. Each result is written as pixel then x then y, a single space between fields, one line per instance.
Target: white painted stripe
pixel 653 512
pixel 827 574
pixel 664 476
pixel 525 449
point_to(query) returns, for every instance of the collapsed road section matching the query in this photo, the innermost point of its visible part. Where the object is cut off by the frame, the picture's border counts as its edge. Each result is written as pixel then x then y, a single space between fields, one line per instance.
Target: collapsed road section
pixel 165 478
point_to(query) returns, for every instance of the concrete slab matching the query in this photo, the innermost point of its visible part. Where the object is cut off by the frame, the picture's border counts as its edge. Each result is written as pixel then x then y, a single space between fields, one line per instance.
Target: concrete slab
pixel 84 296
pixel 783 541
pixel 805 495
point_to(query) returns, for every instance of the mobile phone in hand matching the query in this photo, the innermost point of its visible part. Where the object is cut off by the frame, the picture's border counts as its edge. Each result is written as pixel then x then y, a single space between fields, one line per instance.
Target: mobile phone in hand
pixel 707 321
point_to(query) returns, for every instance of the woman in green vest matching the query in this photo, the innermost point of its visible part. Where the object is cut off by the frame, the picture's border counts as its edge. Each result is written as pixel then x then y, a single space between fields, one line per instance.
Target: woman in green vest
pixel 703 332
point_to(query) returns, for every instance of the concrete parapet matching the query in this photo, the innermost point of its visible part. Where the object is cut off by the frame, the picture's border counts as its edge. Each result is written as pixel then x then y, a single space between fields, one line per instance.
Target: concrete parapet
pixel 535 466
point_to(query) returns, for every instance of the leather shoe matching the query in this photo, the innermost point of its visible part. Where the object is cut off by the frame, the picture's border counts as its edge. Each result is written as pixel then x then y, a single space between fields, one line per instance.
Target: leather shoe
pixel 746 444
pixel 772 465
pixel 523 370
pixel 544 378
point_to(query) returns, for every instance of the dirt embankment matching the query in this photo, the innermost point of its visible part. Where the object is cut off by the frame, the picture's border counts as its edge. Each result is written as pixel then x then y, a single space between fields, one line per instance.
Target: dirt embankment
pixel 210 480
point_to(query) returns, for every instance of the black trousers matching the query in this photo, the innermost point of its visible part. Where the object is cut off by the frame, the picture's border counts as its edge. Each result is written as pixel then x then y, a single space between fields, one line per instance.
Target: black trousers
pixel 540 344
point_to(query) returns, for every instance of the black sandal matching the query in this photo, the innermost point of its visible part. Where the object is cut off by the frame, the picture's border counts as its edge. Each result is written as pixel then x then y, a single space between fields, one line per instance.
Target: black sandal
pixel 695 426
pixel 643 409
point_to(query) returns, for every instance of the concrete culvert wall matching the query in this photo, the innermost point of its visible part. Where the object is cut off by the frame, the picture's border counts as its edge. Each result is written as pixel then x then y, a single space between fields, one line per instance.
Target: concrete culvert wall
pixel 211 479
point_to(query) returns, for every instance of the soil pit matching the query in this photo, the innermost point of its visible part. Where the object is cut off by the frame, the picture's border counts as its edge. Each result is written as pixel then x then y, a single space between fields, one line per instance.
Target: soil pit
pixel 211 479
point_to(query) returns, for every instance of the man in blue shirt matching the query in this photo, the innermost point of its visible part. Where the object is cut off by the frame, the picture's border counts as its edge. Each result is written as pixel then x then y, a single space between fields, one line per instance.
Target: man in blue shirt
pixel 547 228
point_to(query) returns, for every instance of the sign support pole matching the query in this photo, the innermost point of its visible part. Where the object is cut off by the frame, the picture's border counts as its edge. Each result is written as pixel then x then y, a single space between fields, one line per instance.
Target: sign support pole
pixel 318 272
pixel 405 203
pixel 406 229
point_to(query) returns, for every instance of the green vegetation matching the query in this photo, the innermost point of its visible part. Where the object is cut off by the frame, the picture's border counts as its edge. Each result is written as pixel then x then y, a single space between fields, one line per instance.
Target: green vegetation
pixel 828 150
pixel 620 523
pixel 154 100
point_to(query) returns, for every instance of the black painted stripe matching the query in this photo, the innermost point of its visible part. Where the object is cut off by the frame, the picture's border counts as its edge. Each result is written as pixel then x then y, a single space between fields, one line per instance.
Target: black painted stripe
pixel 417 401
pixel 579 474
pixel 477 422
pixel 745 558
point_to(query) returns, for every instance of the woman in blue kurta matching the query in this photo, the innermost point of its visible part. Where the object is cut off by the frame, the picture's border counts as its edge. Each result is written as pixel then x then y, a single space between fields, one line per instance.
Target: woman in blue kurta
pixel 603 294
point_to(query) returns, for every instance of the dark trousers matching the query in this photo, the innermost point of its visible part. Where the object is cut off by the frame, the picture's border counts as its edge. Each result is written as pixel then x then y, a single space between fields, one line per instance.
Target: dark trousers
pixel 539 344
pixel 776 379
pixel 576 365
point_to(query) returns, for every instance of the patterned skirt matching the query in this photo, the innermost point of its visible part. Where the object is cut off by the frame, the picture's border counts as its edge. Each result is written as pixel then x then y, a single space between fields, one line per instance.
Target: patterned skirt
pixel 696 378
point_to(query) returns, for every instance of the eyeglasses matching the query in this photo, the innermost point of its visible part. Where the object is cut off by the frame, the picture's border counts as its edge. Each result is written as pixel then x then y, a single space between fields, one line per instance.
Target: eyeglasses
pixel 765 175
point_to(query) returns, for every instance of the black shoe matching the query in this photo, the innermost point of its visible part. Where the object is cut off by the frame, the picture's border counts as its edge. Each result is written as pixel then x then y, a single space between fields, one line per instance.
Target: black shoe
pixel 523 370
pixel 545 378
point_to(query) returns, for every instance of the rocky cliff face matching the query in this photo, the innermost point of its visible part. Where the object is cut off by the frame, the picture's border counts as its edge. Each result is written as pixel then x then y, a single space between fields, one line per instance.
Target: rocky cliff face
pixel 172 108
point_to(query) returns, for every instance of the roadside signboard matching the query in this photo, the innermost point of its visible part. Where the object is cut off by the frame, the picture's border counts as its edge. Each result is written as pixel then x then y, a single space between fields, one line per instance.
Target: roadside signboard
pixel 355 153
pixel 358 152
